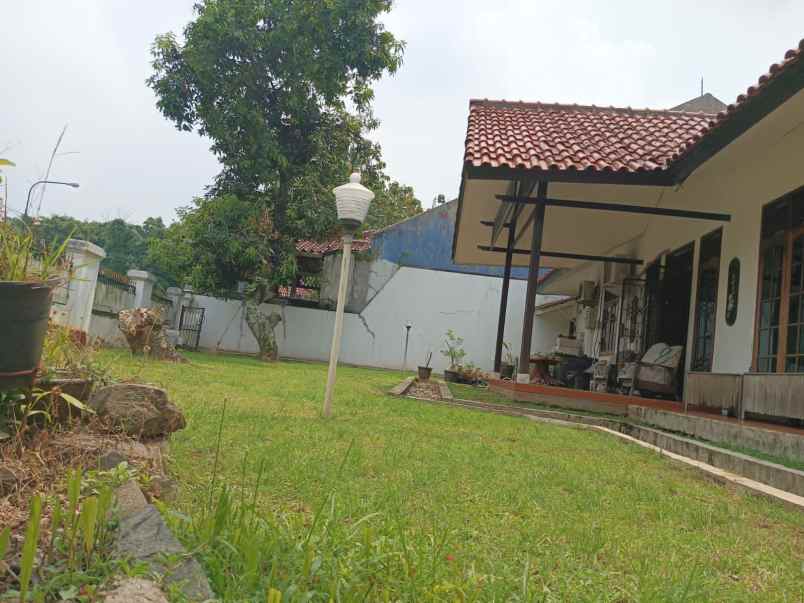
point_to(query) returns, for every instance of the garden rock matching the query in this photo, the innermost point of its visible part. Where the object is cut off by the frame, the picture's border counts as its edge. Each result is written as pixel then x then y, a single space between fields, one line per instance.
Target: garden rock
pixel 130 500
pixel 110 460
pixel 164 488
pixel 136 590
pixel 146 537
pixel 140 410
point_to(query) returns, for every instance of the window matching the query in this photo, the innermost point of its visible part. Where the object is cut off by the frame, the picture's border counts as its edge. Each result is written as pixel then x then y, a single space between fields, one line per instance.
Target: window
pixel 703 345
pixel 779 343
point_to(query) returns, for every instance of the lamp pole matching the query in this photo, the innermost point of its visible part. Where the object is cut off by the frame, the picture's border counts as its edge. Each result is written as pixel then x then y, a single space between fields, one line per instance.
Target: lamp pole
pixel 37 183
pixel 352 201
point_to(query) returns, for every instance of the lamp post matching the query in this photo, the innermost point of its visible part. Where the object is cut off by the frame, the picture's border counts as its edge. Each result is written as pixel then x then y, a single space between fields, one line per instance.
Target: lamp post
pixel 4 179
pixel 352 201
pixel 37 183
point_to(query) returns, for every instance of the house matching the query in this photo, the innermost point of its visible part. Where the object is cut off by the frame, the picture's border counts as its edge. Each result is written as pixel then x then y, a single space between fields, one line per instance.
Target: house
pixel 674 226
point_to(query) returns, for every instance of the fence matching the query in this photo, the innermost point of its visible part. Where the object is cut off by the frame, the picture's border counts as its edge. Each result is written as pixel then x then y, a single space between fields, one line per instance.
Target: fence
pixel 94 296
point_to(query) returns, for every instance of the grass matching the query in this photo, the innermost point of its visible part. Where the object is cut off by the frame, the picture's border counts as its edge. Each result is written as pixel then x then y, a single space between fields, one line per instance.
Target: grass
pixel 394 499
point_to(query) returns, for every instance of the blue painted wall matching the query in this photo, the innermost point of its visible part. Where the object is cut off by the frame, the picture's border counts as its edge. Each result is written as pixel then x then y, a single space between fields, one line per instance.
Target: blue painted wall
pixel 425 241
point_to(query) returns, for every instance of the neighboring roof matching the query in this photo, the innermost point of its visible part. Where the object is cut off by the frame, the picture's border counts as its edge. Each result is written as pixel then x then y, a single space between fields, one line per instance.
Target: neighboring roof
pixel 555 304
pixel 331 246
pixel 588 140
pixel 706 103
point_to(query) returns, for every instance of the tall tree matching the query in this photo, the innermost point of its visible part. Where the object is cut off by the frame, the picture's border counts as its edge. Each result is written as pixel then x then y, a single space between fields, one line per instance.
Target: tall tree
pixel 271 83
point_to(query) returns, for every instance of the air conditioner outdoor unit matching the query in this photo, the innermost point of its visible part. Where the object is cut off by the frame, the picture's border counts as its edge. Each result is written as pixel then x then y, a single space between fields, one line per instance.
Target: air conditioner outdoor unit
pixel 614 273
pixel 586 293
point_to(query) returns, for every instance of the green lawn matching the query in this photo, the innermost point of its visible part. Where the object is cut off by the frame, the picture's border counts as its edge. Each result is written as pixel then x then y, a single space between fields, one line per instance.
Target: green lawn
pixel 394 499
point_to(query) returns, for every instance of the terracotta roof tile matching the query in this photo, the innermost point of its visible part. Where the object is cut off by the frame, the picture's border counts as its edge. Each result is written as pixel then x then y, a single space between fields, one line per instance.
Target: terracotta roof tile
pixel 324 247
pixel 539 136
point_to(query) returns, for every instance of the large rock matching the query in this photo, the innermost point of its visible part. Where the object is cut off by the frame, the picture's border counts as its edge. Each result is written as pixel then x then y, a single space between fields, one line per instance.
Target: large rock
pixel 140 410
pixel 144 536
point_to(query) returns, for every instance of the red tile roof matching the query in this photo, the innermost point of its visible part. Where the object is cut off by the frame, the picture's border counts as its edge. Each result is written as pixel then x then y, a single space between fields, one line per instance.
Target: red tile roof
pixel 325 247
pixel 538 136
pixel 573 137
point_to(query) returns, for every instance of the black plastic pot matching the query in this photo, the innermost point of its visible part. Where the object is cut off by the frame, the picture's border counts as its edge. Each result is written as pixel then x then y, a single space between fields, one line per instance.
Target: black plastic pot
pixel 506 371
pixel 425 372
pixel 452 376
pixel 24 312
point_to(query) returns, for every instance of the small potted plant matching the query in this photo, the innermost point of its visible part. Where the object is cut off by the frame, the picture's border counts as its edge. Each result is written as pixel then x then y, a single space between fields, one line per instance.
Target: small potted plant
pixel 453 350
pixel 508 364
pixel 426 370
pixel 29 273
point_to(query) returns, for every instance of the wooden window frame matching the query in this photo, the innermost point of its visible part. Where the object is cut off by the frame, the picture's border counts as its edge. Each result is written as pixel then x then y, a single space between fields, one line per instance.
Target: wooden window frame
pixel 694 309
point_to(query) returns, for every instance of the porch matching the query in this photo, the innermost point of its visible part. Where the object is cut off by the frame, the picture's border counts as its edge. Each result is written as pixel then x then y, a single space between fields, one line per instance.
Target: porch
pixel 660 228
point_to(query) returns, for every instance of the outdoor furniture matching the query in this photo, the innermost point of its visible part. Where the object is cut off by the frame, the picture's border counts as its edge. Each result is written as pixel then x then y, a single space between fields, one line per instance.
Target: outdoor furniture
pixel 658 372
pixel 540 370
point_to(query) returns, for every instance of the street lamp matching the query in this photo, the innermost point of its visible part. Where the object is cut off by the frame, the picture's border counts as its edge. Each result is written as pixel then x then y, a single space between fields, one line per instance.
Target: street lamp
pixel 37 183
pixel 352 201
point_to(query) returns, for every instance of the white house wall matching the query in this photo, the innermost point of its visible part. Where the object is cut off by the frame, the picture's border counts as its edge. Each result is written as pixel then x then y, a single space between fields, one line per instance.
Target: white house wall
pixel 432 301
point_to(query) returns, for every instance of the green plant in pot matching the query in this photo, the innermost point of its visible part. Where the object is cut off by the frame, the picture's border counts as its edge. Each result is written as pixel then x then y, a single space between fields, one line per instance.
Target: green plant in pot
pixel 453 350
pixel 508 364
pixel 426 370
pixel 28 274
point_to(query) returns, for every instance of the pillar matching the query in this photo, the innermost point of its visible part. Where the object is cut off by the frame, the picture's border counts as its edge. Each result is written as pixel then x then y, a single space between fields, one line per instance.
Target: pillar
pixel 143 287
pixel 85 258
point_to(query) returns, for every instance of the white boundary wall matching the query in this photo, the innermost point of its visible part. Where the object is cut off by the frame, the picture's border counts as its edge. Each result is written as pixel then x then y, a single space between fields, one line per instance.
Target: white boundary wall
pixel 430 300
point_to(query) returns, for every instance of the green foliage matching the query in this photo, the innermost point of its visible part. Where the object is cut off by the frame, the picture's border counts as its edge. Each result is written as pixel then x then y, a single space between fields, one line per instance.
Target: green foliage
pixel 24 256
pixel 75 559
pixel 271 84
pixel 453 349
pixel 67 352
pixel 126 245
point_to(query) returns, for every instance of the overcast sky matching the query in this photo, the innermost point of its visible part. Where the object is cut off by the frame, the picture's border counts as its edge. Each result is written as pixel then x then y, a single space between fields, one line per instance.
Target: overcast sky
pixel 84 62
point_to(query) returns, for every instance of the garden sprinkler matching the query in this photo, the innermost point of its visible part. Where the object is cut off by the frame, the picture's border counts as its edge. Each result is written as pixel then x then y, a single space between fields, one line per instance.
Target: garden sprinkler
pixel 407 338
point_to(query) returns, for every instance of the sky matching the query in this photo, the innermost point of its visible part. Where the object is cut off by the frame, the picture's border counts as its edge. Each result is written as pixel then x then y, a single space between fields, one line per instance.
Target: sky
pixel 83 64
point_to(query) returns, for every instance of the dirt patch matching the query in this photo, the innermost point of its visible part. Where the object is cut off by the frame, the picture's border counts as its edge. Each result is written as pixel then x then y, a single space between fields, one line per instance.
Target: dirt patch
pixel 41 466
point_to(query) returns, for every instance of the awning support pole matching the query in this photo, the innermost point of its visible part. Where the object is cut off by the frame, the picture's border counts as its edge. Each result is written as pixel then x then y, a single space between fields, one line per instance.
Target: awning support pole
pixel 509 255
pixel 533 282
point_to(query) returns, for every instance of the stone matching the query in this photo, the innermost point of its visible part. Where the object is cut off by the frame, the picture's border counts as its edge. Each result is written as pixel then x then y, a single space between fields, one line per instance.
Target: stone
pixel 140 410
pixel 110 460
pixel 130 499
pixel 8 481
pixel 136 590
pixel 164 488
pixel 146 537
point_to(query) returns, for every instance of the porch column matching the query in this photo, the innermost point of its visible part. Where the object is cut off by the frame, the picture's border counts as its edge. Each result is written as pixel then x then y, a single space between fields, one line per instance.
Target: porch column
pixel 523 375
pixel 509 254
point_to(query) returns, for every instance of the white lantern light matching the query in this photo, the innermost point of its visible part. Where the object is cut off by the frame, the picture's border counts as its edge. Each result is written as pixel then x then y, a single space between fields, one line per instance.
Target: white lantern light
pixel 352 200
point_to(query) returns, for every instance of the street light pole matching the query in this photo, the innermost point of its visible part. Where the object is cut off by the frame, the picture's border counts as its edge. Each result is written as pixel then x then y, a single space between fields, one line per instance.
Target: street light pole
pixel 352 201
pixel 37 183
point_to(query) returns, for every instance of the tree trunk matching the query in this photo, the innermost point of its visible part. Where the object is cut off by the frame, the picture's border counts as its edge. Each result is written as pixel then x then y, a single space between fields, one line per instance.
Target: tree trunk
pixel 262 327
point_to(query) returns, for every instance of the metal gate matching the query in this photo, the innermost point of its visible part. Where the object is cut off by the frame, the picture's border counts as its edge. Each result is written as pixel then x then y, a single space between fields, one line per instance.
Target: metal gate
pixel 190 324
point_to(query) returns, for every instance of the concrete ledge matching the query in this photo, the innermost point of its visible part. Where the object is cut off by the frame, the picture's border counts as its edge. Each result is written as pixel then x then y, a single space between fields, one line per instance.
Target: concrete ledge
pixel 402 388
pixel 778 443
pixel 778 476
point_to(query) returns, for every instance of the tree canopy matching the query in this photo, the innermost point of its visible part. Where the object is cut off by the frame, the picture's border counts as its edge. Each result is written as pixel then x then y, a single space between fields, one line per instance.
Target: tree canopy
pixel 283 89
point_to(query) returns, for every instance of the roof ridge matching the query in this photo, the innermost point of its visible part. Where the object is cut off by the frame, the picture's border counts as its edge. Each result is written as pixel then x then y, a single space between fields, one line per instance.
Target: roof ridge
pixel 586 108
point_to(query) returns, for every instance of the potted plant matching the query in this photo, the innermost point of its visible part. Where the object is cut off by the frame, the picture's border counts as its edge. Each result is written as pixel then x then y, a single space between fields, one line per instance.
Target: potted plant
pixel 453 350
pixel 426 370
pixel 28 275
pixel 508 364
